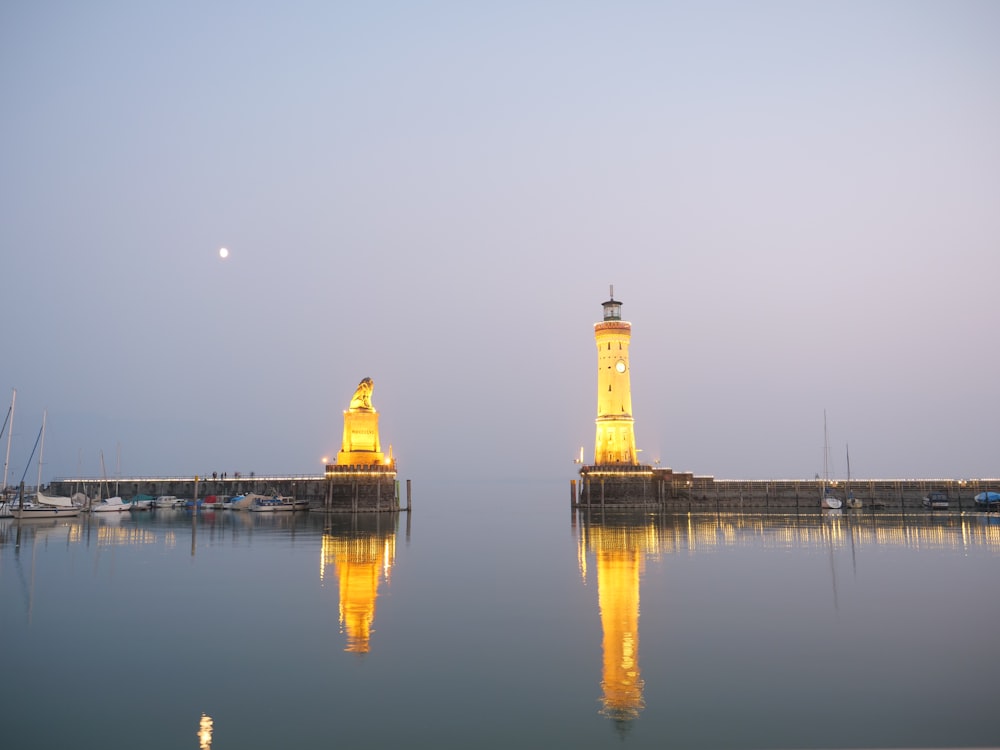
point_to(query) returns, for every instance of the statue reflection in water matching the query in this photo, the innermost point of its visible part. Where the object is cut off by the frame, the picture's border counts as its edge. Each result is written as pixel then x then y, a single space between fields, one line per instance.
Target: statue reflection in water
pixel 359 550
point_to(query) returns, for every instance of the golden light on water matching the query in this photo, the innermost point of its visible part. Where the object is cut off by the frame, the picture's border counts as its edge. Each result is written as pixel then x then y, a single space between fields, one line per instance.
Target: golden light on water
pixel 618 573
pixel 205 733
pixel 360 564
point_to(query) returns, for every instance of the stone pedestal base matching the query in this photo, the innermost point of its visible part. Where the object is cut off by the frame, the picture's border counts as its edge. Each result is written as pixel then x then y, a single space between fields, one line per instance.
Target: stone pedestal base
pixel 360 446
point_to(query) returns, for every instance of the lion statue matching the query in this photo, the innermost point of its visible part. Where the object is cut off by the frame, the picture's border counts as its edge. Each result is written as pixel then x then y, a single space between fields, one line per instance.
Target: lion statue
pixel 362 398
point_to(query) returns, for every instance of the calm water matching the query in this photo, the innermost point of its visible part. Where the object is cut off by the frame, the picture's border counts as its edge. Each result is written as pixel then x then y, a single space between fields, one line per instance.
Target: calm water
pixel 495 617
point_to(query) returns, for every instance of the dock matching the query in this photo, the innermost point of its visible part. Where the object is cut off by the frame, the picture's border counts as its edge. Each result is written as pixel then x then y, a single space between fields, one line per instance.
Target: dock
pixel 347 489
pixel 655 488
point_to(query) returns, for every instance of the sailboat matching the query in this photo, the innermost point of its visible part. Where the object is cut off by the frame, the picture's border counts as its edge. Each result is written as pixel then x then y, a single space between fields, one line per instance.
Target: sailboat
pixel 39 509
pixel 108 504
pixel 852 502
pixel 826 498
pixel 52 501
pixel 9 426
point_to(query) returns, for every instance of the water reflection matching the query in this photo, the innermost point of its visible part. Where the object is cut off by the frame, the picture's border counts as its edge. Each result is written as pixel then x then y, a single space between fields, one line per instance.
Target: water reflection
pixel 619 547
pixel 359 551
pixel 205 733
pixel 619 544
pixel 668 533
pixel 164 527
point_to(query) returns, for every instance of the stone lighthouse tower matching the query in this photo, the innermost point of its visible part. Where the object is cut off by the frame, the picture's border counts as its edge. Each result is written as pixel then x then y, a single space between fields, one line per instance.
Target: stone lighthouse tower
pixel 615 441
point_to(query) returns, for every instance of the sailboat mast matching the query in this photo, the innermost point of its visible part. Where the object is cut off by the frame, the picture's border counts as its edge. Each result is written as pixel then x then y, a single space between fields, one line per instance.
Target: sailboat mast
pixel 104 477
pixel 826 455
pixel 10 431
pixel 41 449
pixel 28 465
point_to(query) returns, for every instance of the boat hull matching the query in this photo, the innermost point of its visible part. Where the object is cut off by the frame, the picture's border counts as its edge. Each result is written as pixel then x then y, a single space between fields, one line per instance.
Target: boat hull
pixel 988 499
pixel 43 511
pixel 110 505
pixel 277 505
pixel 168 501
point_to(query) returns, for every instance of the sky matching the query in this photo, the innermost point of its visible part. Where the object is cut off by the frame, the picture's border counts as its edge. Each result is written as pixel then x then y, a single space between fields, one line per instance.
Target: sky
pixel 798 205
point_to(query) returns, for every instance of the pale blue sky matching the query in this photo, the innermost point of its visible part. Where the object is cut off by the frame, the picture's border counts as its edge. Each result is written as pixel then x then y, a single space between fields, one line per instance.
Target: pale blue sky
pixel 797 202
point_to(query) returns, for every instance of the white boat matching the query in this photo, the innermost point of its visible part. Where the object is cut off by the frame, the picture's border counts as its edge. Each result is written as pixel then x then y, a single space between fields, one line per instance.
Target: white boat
pixel 243 502
pixel 852 502
pixel 57 501
pixel 826 498
pixel 237 502
pixel 230 502
pixel 110 505
pixel 141 502
pixel 35 510
pixel 168 501
pixel 43 506
pixel 936 500
pixel 277 504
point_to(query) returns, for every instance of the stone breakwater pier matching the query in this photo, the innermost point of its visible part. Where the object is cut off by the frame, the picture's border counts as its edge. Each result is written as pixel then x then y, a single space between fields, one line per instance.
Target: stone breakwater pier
pixel 646 487
pixel 343 489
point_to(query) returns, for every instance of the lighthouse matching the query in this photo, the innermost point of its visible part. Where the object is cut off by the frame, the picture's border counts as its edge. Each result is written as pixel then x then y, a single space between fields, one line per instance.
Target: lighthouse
pixel 617 477
pixel 615 439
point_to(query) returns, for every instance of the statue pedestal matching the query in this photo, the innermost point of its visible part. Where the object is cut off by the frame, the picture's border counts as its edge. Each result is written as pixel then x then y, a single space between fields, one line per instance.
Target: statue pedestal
pixel 360 446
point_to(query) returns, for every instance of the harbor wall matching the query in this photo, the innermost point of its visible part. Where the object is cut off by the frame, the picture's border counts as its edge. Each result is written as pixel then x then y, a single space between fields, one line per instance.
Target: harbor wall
pixel 342 492
pixel 659 488
pixel 656 488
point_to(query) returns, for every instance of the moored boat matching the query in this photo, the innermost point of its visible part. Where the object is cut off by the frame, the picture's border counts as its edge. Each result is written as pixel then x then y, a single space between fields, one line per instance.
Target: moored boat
pixel 850 500
pixel 168 501
pixel 988 499
pixel 27 511
pixel 236 502
pixel 936 500
pixel 212 502
pixel 110 505
pixel 278 503
pixel 827 500
pixel 243 502
pixel 57 501
pixel 141 502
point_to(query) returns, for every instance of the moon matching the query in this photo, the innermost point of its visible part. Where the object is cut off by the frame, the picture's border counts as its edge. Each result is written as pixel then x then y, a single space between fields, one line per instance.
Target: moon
pixel 223 253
